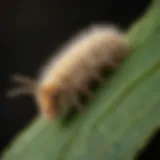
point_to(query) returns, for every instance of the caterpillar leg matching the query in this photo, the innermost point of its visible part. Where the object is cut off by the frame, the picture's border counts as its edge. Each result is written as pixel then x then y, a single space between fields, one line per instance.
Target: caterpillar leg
pixel 64 104
pixel 74 101
pixel 98 77
pixel 77 104
pixel 86 91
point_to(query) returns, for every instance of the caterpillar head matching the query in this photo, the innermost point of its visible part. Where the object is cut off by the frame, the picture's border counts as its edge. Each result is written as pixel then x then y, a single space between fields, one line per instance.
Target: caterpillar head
pixel 46 96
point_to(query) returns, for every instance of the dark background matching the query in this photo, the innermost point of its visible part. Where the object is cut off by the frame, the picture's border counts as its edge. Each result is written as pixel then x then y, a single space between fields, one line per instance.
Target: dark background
pixel 32 29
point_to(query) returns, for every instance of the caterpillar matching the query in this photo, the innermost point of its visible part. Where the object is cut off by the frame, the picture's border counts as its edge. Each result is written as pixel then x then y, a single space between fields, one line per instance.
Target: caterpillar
pixel 77 63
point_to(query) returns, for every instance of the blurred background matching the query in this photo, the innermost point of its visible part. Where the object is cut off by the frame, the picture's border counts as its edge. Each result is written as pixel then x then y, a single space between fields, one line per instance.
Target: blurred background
pixel 32 29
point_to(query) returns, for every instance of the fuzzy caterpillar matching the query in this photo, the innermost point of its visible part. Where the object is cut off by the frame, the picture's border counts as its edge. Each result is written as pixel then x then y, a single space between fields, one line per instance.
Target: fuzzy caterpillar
pixel 76 64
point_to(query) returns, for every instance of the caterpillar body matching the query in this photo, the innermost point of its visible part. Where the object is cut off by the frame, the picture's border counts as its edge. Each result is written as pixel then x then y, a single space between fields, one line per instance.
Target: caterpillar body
pixel 76 64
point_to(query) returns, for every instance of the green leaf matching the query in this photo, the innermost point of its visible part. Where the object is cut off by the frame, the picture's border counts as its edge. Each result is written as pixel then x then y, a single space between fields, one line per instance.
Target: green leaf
pixel 119 121
pixel 145 26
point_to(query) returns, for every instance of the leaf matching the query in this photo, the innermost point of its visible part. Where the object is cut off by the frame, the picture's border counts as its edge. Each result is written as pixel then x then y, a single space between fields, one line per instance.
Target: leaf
pixel 145 26
pixel 118 122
